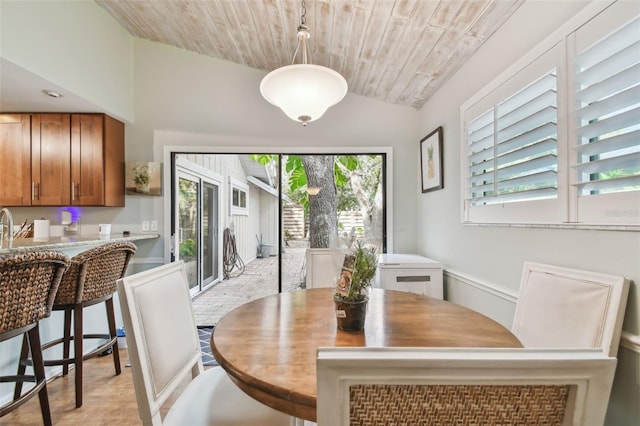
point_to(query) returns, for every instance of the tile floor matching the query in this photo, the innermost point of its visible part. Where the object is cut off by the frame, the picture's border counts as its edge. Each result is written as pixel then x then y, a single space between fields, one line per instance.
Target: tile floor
pixel 259 279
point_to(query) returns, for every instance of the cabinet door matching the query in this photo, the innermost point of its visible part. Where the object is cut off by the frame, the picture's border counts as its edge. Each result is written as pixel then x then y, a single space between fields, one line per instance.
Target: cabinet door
pixel 15 160
pixel 50 159
pixel 87 159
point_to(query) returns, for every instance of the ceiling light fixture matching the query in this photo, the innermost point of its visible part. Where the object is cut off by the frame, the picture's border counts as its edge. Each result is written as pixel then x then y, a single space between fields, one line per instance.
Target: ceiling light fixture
pixel 52 93
pixel 303 91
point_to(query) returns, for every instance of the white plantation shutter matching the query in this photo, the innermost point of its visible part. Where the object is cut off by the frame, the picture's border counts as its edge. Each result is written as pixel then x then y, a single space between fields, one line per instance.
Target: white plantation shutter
pixel 513 147
pixel 608 112
pixel 555 139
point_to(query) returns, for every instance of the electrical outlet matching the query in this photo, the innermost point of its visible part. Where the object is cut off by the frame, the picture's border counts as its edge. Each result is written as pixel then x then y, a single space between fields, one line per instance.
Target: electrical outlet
pixel 154 225
pixel 145 225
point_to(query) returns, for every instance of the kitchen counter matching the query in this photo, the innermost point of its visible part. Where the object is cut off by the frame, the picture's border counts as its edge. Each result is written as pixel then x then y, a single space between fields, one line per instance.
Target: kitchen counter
pixel 68 241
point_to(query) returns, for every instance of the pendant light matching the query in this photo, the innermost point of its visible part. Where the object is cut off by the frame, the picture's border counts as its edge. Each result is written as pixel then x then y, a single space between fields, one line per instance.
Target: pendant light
pixel 303 91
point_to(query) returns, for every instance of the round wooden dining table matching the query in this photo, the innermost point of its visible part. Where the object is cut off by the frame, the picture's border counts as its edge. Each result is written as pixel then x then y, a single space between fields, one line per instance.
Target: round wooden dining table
pixel 269 346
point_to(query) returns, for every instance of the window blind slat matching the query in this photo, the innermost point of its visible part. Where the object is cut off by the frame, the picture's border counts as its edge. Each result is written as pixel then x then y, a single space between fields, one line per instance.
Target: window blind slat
pixel 534 194
pixel 547 179
pixel 483 120
pixel 609 86
pixel 481 156
pixel 482 168
pixel 524 96
pixel 526 110
pixel 529 167
pixel 627 162
pixel 626 183
pixel 544 146
pixel 617 102
pixel 616 41
pixel 481 189
pixel 612 65
pixel 547 115
pixel 481 144
pixel 614 143
pixel 546 131
pixel 608 125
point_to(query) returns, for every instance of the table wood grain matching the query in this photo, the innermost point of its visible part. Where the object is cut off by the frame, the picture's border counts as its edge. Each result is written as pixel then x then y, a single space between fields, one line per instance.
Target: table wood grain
pixel 268 346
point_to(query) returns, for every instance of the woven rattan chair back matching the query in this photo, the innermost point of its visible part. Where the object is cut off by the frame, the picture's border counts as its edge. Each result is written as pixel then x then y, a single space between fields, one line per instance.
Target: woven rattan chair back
pixel 93 274
pixel 28 284
pixel 458 404
pixel 462 386
pixel 90 279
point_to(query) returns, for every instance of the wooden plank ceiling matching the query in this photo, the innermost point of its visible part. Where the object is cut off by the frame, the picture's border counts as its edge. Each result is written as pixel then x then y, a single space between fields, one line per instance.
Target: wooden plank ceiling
pixel 397 51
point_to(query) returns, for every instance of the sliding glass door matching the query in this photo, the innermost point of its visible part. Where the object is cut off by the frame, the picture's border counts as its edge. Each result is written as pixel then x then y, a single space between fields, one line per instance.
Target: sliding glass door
pixel 197 227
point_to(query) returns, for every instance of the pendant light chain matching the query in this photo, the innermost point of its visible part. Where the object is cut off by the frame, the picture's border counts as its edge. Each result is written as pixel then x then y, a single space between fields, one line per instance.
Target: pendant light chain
pixel 302 36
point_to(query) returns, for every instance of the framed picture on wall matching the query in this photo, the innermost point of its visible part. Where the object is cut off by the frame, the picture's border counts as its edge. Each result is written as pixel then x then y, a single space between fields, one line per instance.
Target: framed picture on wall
pixel 431 161
pixel 143 178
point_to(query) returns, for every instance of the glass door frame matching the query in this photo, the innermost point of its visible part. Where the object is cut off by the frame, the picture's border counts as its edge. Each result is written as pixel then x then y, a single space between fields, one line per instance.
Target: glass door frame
pixel 201 176
pixel 173 143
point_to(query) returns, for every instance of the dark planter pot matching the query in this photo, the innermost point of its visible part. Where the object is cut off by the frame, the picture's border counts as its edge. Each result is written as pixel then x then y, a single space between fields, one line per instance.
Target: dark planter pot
pixel 351 315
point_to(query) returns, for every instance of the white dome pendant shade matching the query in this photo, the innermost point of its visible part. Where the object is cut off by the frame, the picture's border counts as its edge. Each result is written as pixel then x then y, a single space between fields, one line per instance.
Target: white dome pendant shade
pixel 303 91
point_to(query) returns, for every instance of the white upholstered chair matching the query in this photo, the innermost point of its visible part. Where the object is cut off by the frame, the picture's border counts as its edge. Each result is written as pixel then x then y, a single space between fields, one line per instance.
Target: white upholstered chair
pixel 164 349
pixel 568 308
pixel 323 266
pixel 443 386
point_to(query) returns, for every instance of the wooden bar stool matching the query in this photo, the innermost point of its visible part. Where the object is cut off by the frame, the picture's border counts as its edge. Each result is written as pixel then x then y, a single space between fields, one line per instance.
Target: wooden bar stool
pixel 90 279
pixel 28 285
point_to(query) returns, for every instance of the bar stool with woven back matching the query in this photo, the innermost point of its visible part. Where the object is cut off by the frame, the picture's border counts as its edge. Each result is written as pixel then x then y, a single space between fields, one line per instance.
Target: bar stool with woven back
pixel 90 279
pixel 28 285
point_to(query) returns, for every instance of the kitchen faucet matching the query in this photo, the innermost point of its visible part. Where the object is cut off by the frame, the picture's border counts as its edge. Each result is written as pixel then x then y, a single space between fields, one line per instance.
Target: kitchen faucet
pixel 6 212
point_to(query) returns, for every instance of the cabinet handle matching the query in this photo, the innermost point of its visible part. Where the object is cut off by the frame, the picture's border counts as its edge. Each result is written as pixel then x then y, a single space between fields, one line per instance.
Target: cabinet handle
pixel 35 191
pixel 75 191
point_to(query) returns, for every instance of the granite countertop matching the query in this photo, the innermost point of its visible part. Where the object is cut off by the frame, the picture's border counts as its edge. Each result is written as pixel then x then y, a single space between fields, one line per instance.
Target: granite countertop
pixel 56 243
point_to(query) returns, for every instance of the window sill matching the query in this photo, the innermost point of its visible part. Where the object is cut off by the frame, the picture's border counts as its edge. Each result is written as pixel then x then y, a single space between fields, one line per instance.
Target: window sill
pixel 596 227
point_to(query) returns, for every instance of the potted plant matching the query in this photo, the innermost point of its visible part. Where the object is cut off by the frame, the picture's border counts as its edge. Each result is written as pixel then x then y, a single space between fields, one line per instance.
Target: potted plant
pixel 351 293
pixel 141 177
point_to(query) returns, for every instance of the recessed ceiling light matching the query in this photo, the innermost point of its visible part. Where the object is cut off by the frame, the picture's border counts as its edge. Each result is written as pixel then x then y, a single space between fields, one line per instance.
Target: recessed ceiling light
pixel 52 93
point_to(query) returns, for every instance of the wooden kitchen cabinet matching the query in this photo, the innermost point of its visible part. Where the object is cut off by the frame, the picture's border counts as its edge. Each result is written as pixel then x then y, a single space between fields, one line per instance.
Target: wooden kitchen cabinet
pixel 50 159
pixel 15 160
pixel 72 159
pixel 97 160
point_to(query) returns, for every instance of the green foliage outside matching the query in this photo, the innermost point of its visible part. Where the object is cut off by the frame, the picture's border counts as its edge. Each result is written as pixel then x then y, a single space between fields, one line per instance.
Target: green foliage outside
pixel 187 249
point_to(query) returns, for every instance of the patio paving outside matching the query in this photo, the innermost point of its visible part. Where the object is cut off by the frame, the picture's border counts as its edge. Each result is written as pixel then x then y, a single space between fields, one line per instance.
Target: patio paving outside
pixel 259 279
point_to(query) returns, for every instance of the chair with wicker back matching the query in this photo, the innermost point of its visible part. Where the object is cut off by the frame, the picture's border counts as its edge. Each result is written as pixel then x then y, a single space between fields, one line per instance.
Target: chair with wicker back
pixel 455 386
pixel 28 285
pixel 90 279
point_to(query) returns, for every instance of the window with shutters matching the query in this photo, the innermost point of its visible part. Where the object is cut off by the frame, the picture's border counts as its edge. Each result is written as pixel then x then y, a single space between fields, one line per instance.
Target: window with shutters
pixel 556 139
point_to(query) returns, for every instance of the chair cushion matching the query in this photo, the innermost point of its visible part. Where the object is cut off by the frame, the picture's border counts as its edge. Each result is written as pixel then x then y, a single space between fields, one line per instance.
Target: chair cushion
pixel 213 399
pixel 561 312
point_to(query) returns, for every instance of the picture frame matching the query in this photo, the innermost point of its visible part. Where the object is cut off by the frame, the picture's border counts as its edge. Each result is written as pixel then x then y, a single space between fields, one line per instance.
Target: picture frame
pixel 143 178
pixel 431 161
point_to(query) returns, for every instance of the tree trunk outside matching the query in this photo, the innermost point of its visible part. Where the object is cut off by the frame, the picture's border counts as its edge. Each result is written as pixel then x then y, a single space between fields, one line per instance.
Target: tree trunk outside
pixel 323 216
